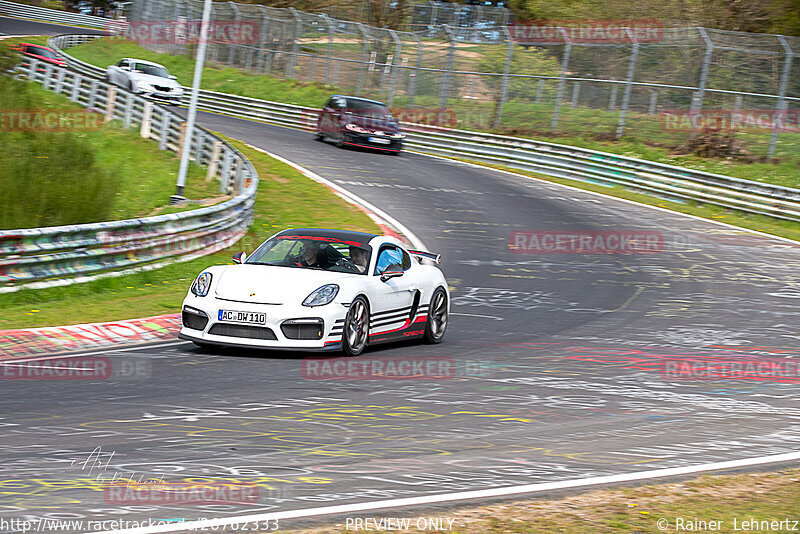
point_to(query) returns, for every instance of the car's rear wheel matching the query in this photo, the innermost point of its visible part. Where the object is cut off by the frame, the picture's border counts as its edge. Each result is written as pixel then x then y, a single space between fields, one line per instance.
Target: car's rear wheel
pixel 356 327
pixel 436 325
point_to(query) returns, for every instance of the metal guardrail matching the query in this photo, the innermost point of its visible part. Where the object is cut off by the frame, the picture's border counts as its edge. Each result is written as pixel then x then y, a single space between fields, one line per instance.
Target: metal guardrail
pixel 561 161
pixel 62 255
pixel 24 11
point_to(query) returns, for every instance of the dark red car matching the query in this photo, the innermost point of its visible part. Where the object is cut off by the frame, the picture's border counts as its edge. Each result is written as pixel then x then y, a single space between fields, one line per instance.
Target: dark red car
pixel 353 121
pixel 41 53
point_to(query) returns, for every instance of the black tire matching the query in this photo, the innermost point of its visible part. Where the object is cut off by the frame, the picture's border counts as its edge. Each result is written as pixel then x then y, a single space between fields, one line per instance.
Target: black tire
pixel 355 333
pixel 340 141
pixel 319 136
pixel 436 325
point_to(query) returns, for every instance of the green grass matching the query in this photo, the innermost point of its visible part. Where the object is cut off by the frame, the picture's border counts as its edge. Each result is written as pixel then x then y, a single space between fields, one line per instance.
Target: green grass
pixel 721 498
pixel 83 176
pixel 104 52
pixel 285 199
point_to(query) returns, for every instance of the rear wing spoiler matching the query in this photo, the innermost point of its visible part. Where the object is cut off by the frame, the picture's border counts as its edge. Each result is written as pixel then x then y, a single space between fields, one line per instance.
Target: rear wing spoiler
pixel 419 254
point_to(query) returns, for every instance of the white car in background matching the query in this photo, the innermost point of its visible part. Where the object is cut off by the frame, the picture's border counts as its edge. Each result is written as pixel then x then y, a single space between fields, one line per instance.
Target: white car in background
pixel 314 289
pixel 145 78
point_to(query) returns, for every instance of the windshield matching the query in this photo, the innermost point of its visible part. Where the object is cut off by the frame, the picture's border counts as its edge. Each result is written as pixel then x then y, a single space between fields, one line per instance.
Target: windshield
pixel 312 253
pixel 371 109
pixel 39 51
pixel 153 70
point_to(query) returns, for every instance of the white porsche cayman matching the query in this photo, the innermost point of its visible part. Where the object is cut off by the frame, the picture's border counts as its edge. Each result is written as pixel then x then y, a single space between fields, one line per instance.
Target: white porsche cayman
pixel 313 289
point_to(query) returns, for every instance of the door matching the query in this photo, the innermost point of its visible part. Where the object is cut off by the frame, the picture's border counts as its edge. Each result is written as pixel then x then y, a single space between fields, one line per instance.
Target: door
pixel 394 299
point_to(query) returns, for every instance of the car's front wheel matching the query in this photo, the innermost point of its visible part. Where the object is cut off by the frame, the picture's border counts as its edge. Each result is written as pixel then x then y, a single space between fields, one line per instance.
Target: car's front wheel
pixel 356 327
pixel 436 325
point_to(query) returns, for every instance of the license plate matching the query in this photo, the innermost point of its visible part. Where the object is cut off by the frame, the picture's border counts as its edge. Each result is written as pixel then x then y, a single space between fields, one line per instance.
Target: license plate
pixel 379 140
pixel 230 316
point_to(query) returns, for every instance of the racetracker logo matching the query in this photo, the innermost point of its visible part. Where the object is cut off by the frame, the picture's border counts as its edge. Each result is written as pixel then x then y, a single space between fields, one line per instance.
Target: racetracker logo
pixel 587 31
pixel 586 242
pixel 48 120
pixel 765 370
pixel 731 120
pixel 184 31
pixel 378 368
pixel 84 368
pixel 177 493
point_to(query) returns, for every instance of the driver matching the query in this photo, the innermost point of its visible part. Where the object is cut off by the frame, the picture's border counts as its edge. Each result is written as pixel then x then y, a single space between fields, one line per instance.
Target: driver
pixel 313 256
pixel 359 258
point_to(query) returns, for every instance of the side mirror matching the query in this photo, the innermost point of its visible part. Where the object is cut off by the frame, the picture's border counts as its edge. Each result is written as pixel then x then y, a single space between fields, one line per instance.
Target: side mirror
pixel 172 77
pixel 392 271
pixel 239 257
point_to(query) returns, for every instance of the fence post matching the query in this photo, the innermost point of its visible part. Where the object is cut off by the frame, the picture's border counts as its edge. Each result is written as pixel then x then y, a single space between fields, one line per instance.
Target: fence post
pixel 291 61
pixel 451 52
pixel 166 119
pixel 225 177
pixel 626 95
pixel 77 80
pixel 232 47
pixel 60 80
pixel 329 60
pixel 562 79
pixel 126 121
pixel 539 91
pixel 398 49
pixel 651 108
pixel 364 50
pixel 93 94
pixel 213 165
pixel 111 96
pixel 612 100
pixel 576 93
pixel 697 98
pixel 147 120
pixel 498 114
pixel 262 37
pixel 780 106
pixel 181 139
pixel 412 77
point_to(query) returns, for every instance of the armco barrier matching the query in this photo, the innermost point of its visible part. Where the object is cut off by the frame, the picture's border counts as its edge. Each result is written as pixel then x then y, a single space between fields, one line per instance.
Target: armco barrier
pixel 43 257
pixel 23 11
pixel 550 159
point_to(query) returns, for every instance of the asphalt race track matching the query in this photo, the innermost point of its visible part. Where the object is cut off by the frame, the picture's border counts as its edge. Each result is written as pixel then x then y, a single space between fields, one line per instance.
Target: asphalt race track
pixel 558 364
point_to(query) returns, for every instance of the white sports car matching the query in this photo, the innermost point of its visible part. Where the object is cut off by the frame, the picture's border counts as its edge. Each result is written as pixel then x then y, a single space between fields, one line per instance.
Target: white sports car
pixel 145 78
pixel 313 289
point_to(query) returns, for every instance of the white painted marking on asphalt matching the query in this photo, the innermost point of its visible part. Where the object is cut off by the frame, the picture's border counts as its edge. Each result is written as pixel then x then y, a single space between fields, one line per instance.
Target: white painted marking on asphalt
pixel 476 315
pixel 459 496
pixel 61 356
pixel 351 197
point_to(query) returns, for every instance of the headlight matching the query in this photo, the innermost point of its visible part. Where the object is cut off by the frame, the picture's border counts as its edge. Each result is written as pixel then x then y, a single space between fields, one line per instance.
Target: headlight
pixel 322 295
pixel 202 284
pixel 357 128
pixel 398 135
pixel 144 86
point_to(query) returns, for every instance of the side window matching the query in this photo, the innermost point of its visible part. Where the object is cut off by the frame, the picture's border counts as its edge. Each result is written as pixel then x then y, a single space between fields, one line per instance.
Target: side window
pixel 331 104
pixel 388 256
pixel 406 260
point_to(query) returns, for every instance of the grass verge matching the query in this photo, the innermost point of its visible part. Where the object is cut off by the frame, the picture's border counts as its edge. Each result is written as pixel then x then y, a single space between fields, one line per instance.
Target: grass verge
pixel 77 174
pixel 731 500
pixel 285 199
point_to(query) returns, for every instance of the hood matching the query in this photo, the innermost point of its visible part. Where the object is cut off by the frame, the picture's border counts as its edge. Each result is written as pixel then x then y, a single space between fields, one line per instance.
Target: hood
pixel 379 122
pixel 271 285
pixel 155 80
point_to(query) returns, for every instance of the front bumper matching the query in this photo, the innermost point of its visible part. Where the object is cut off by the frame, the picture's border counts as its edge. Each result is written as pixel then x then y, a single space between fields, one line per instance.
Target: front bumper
pixel 287 327
pixel 161 96
pixel 369 141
